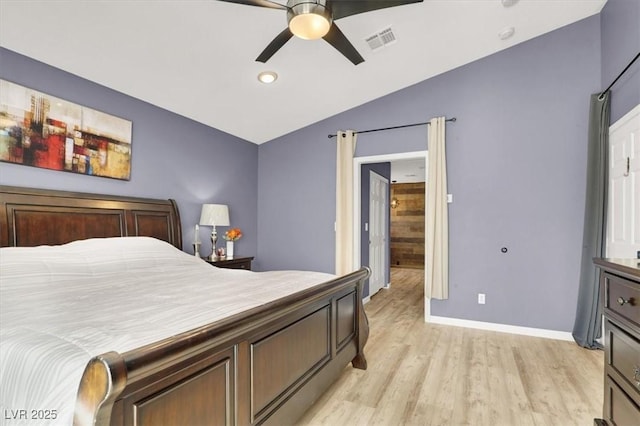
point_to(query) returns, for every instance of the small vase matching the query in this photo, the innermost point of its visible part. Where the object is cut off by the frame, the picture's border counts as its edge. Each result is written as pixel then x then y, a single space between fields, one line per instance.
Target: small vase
pixel 229 249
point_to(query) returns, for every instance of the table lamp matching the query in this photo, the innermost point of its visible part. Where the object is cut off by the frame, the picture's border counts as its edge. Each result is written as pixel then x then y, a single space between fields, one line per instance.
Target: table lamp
pixel 214 215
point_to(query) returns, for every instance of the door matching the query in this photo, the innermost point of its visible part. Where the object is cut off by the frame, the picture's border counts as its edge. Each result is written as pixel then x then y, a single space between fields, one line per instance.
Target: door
pixel 378 229
pixel 623 215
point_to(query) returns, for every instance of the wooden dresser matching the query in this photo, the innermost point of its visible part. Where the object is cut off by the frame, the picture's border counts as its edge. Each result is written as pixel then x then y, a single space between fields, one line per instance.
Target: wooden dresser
pixel 620 295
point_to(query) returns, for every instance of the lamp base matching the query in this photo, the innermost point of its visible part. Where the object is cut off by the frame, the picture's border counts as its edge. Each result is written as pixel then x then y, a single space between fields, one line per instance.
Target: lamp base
pixel 214 239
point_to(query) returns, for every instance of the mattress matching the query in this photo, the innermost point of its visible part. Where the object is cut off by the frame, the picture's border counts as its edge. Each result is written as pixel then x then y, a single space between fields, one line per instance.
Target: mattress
pixel 62 305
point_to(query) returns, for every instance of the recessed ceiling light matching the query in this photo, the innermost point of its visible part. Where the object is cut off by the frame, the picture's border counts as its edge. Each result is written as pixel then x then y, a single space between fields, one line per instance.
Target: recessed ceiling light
pixel 267 77
pixel 506 33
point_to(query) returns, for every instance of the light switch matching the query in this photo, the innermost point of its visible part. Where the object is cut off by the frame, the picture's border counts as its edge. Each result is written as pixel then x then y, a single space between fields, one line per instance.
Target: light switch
pixel 449 198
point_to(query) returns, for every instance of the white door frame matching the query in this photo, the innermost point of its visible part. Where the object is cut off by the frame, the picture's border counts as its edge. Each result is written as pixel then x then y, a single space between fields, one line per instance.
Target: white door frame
pixel 357 189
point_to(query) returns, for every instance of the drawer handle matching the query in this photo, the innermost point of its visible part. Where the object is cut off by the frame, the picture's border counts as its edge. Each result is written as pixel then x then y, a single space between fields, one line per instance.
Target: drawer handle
pixel 622 301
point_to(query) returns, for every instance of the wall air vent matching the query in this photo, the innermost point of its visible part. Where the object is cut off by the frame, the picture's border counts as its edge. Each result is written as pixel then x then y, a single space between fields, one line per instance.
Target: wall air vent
pixel 381 39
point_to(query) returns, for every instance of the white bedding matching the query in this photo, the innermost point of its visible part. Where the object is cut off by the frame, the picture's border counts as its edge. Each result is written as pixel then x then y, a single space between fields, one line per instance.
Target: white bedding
pixel 62 305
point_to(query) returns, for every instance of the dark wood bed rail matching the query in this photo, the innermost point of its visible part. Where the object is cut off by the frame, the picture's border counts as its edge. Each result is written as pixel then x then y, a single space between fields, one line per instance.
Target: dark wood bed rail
pixel 239 325
pixel 31 217
pixel 112 383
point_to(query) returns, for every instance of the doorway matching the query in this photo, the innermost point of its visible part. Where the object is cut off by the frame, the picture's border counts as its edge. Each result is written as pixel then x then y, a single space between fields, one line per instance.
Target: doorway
pixel 408 190
pixel 358 226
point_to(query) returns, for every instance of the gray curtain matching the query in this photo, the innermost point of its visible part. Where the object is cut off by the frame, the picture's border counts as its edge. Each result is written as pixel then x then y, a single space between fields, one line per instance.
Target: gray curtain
pixel 588 323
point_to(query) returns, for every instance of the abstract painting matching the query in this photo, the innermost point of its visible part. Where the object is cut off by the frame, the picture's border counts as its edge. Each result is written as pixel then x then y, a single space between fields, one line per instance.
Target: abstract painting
pixel 40 130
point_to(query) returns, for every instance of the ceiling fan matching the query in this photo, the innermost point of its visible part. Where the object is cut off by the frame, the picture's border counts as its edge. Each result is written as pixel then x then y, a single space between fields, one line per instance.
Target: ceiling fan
pixel 314 19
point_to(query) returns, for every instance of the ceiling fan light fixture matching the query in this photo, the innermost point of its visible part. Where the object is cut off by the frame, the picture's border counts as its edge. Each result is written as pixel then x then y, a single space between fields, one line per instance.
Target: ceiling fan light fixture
pixel 309 20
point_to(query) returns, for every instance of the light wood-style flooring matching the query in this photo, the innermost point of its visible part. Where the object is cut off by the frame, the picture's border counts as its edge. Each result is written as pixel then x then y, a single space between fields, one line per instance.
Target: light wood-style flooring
pixel 430 374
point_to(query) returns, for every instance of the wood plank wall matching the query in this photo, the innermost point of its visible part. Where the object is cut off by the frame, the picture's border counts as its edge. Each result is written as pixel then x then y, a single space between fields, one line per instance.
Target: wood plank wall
pixel 407 225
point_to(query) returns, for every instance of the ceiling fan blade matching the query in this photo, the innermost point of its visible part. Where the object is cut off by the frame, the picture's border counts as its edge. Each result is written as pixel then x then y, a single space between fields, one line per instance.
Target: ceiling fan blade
pixel 337 39
pixel 275 45
pixel 259 3
pixel 342 8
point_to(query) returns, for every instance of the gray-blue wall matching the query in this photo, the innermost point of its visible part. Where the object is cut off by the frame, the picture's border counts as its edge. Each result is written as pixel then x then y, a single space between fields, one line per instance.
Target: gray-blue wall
pixel 516 165
pixel 172 156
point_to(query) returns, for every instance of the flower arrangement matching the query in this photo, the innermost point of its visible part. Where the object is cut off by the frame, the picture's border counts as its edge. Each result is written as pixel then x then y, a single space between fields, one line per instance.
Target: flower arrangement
pixel 233 234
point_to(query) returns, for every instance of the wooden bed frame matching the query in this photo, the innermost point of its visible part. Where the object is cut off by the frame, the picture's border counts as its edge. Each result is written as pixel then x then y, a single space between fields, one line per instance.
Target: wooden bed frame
pixel 264 366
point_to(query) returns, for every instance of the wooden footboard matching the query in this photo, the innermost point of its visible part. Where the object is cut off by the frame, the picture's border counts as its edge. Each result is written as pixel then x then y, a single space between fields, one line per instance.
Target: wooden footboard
pixel 264 366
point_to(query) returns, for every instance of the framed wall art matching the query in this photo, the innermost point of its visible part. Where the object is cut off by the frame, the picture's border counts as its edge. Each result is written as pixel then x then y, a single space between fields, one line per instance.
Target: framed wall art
pixel 40 130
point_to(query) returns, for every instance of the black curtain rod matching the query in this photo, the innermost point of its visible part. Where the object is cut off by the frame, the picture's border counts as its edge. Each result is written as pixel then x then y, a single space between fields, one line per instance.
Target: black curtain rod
pixel 619 75
pixel 395 127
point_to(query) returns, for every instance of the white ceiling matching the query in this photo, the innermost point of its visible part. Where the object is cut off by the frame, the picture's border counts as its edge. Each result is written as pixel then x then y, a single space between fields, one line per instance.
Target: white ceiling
pixel 408 171
pixel 197 57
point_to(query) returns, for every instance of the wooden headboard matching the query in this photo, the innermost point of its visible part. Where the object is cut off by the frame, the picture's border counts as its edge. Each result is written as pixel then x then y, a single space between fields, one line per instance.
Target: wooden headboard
pixel 32 217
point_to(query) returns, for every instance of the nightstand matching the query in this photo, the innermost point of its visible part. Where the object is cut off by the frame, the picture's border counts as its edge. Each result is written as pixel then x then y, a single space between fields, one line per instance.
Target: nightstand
pixel 236 263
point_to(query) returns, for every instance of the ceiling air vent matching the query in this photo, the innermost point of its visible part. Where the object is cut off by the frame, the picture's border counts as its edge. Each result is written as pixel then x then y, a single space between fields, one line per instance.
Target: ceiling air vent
pixel 381 39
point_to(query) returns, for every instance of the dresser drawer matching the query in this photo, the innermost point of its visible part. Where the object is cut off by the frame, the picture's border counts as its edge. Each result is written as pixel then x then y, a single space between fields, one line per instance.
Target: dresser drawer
pixel 238 265
pixel 619 409
pixel 622 296
pixel 623 356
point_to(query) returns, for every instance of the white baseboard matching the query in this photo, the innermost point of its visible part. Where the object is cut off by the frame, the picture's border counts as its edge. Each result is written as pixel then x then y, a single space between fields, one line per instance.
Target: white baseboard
pixel 502 328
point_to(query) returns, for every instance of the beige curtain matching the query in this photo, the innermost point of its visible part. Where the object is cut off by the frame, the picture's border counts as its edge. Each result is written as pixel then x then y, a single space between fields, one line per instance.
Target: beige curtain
pixel 437 222
pixel 346 146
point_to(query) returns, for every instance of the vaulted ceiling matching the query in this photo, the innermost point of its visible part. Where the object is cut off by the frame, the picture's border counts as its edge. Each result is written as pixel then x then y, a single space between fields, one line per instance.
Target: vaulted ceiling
pixel 197 57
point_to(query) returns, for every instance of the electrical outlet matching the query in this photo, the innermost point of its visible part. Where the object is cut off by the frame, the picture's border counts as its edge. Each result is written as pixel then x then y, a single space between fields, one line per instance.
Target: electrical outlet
pixel 481 299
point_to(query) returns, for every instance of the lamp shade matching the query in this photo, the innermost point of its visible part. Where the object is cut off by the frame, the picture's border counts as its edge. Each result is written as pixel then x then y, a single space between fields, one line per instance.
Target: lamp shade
pixel 214 215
